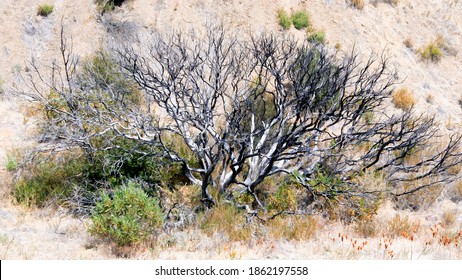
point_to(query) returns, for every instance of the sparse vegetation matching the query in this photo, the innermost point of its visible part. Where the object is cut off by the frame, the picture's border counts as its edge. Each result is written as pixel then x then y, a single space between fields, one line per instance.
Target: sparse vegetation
pixel 404 99
pixel 409 43
pixel 358 4
pixel 226 219
pixel 399 226
pixel 44 10
pixel 293 227
pixel 300 20
pixel 392 2
pixel 317 37
pixel 108 5
pixel 127 217
pixel 432 52
pixel 2 83
pixel 11 163
pixel 284 19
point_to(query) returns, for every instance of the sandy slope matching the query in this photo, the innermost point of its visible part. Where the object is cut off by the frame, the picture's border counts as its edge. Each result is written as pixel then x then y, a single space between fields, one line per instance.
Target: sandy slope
pixel 378 28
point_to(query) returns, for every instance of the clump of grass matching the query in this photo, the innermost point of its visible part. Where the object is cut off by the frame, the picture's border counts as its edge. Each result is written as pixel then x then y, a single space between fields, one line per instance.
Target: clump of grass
pixel 404 99
pixel 284 19
pixel 284 199
pixel 108 5
pixel 300 20
pixel 293 227
pixel 11 163
pixel 227 219
pixel 318 37
pixel 130 217
pixel 392 2
pixel 45 10
pixel 431 52
pixel 366 228
pixel 409 43
pixel 358 4
pixel 399 226
pixel 46 181
pixel 449 218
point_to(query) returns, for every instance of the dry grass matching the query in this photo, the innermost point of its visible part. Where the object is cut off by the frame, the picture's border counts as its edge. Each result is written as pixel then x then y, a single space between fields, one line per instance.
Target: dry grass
pixel 430 98
pixel 366 228
pixel 421 199
pixel 293 227
pixel 409 43
pixel 449 218
pixel 399 226
pixel 392 2
pixel 458 187
pixel 358 4
pixel 404 99
pixel 226 219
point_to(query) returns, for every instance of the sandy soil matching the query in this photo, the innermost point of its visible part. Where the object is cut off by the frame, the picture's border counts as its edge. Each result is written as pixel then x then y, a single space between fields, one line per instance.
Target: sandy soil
pixel 379 28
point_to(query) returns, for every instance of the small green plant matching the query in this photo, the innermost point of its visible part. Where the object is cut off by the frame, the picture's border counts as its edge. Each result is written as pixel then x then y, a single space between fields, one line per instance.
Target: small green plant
pixel 11 163
pixel 108 5
pixel 47 180
pixel 45 10
pixel 284 199
pixel 301 20
pixel 432 52
pixel 284 19
pixel 318 37
pixel 130 217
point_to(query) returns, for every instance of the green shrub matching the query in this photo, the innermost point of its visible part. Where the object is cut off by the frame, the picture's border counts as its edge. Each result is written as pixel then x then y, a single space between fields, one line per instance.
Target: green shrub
pixel 108 5
pixel 47 180
pixel 11 163
pixel 432 52
pixel 129 218
pixel 300 20
pixel 284 199
pixel 284 19
pixel 317 37
pixel 45 10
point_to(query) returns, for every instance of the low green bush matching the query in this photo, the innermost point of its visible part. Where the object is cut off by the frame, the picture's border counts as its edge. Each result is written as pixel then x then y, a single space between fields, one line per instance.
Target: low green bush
pixel 432 52
pixel 129 217
pixel 47 180
pixel 11 163
pixel 284 19
pixel 301 20
pixel 45 10
pixel 318 37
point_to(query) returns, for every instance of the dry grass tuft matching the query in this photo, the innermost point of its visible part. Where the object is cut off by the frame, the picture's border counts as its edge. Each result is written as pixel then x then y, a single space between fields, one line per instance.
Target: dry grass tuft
pixel 398 226
pixel 366 228
pixel 409 43
pixel 458 188
pixel 358 4
pixel 227 219
pixel 449 218
pixel 293 227
pixel 404 99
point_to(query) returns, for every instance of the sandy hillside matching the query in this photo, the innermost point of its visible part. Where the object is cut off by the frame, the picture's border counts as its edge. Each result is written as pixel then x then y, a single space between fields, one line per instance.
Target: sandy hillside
pixel 378 28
